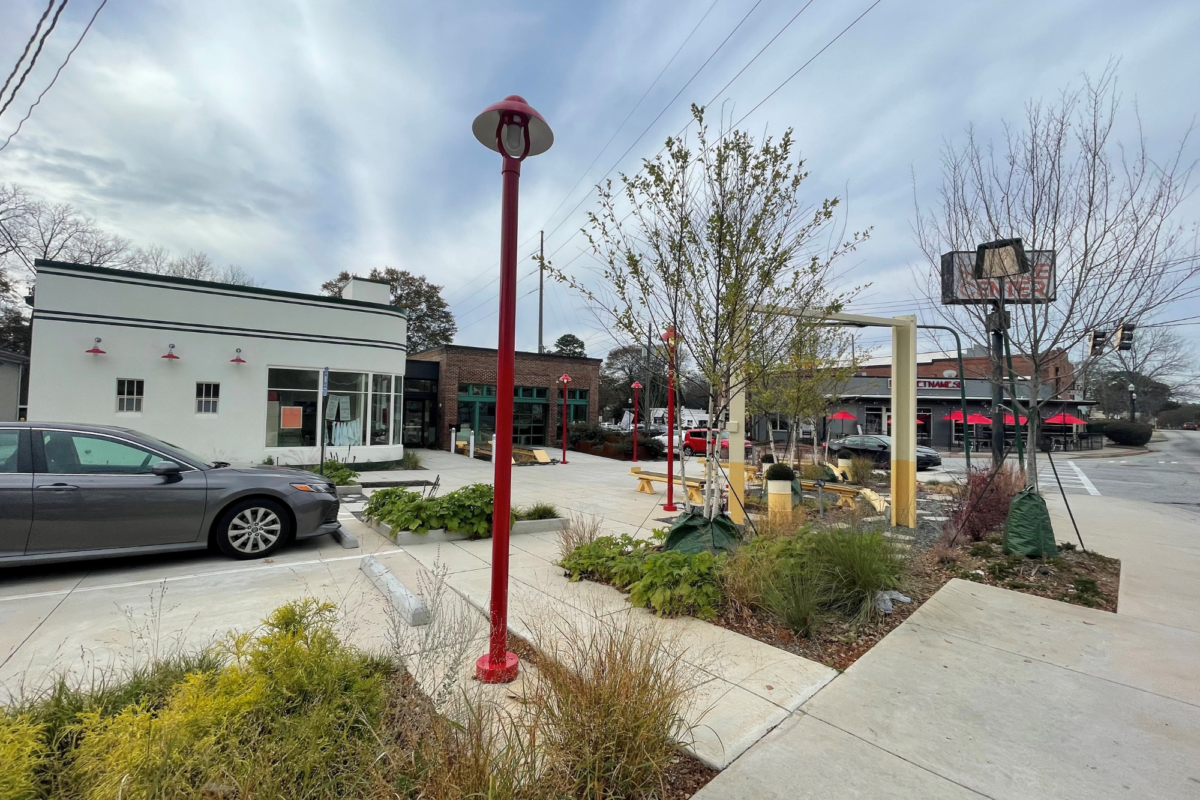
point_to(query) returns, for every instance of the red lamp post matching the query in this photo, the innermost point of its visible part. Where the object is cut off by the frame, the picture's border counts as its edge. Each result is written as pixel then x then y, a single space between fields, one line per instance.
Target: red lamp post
pixel 670 338
pixel 636 386
pixel 564 380
pixel 514 130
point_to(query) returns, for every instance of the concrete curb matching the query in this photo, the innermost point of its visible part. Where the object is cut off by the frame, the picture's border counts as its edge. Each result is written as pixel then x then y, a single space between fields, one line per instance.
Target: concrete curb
pixel 346 539
pixel 353 488
pixel 411 608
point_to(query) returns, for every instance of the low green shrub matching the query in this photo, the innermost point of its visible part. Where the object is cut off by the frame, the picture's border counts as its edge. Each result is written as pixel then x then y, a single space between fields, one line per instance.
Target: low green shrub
pixel 467 510
pixel 674 583
pixel 648 448
pixel 537 511
pixel 1132 434
pixel 608 559
pixel 586 432
pixel 292 714
pixel 817 472
pixel 338 472
pixel 780 472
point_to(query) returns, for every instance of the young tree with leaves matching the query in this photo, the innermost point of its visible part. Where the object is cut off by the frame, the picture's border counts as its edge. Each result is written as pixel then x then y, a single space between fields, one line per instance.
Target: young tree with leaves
pixel 802 382
pixel 1061 182
pixel 705 243
pixel 430 323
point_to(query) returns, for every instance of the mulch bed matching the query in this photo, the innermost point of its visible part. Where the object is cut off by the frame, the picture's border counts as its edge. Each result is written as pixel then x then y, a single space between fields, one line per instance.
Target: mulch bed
pixel 1074 576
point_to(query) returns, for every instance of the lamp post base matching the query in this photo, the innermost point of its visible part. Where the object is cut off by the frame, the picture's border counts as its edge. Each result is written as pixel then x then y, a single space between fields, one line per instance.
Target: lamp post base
pixel 670 507
pixel 486 671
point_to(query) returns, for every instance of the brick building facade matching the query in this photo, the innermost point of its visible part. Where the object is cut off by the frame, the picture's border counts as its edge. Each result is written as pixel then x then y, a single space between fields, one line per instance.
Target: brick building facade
pixel 1057 371
pixel 466 392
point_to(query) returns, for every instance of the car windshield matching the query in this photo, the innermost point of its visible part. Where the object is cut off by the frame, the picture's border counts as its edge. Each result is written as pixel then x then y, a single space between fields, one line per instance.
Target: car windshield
pixel 181 451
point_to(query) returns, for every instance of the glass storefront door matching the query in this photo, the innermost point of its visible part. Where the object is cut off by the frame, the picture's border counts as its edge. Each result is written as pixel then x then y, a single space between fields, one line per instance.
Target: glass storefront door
pixel 418 423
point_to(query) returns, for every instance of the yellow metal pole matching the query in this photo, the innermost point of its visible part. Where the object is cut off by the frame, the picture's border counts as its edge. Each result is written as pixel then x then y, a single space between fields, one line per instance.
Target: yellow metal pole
pixel 904 422
pixel 737 456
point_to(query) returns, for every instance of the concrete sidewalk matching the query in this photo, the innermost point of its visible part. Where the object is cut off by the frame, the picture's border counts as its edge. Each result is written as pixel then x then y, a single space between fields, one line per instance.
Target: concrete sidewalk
pixel 985 692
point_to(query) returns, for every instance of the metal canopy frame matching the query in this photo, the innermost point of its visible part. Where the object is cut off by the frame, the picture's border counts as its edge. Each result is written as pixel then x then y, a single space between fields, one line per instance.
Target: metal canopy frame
pixel 904 413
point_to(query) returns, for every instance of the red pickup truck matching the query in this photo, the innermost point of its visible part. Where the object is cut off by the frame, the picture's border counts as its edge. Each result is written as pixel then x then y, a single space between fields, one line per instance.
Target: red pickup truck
pixel 692 442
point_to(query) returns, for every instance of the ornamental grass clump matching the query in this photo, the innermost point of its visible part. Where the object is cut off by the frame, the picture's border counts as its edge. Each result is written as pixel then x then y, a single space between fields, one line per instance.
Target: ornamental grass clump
pixel 610 697
pixel 862 470
pixel 981 505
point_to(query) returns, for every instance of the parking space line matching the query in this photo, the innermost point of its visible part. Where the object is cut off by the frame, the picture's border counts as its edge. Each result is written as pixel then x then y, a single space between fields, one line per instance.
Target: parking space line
pixel 192 576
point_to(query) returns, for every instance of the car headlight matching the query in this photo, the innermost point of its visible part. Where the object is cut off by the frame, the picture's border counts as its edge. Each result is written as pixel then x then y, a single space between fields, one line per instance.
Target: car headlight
pixel 320 488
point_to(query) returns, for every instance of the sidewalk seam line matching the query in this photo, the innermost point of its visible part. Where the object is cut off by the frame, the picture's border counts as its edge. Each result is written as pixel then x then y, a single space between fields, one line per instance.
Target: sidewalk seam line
pixel 896 755
pixel 1052 664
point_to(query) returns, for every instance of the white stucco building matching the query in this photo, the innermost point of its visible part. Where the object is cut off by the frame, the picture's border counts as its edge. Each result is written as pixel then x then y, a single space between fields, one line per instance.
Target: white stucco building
pixel 232 373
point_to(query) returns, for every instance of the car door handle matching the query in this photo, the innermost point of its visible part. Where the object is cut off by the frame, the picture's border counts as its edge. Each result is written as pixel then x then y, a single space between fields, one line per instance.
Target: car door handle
pixel 58 487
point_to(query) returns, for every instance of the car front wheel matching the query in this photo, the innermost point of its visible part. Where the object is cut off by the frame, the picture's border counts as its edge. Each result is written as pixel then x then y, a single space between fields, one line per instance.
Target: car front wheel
pixel 688 451
pixel 253 528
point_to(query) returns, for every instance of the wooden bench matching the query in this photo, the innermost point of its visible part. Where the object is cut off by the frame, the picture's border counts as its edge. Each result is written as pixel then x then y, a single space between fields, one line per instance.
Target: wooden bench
pixel 846 495
pixel 521 455
pixel 646 481
pixel 750 471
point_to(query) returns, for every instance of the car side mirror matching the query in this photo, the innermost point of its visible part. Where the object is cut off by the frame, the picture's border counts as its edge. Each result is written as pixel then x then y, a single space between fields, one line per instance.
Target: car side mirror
pixel 166 469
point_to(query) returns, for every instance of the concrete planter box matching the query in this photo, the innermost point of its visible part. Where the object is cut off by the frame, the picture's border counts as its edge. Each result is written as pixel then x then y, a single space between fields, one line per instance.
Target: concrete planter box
pixel 438 535
pixel 353 488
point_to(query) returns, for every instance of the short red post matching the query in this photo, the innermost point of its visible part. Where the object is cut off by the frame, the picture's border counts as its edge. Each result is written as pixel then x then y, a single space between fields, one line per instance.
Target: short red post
pixel 564 380
pixel 512 128
pixel 636 386
pixel 669 338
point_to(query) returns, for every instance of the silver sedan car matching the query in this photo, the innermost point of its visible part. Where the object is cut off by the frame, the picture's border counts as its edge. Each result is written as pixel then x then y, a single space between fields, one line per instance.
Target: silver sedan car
pixel 94 491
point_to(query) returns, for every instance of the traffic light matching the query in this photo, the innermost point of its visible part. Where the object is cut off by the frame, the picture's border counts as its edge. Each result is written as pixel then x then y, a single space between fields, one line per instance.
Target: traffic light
pixel 1097 342
pixel 1125 336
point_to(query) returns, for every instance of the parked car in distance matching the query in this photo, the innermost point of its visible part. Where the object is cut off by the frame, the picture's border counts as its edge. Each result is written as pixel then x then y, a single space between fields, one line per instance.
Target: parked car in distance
pixel 96 491
pixel 1189 426
pixel 879 448
pixel 690 442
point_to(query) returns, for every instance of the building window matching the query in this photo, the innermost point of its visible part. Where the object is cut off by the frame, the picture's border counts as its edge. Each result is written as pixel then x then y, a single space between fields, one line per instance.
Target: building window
pixel 293 403
pixel 470 390
pixel 345 409
pixel 381 409
pixel 420 386
pixel 207 397
pixel 129 394
pixel 577 405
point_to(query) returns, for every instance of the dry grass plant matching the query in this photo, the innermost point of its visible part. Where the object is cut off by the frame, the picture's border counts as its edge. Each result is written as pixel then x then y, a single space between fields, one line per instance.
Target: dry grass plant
pixel 580 529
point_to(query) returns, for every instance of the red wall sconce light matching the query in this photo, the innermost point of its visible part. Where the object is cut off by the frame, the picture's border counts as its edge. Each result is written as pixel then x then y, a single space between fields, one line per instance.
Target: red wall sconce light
pixel 96 351
pixel 171 353
pixel 238 358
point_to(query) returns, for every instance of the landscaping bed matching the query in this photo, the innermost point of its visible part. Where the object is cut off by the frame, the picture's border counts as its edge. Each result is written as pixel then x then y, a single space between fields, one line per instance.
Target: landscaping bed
pixel 290 710
pixel 409 518
pixel 811 588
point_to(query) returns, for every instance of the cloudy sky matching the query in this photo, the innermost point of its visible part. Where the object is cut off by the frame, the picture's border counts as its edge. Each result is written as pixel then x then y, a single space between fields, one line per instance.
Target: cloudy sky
pixel 297 139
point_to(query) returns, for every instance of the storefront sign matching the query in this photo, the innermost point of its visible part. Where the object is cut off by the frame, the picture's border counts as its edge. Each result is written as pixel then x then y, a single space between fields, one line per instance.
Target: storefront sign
pixel 291 417
pixel 935 383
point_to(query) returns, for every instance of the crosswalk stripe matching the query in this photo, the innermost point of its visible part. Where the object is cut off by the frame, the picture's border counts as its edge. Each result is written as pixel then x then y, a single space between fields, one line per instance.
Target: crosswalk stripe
pixel 1087 484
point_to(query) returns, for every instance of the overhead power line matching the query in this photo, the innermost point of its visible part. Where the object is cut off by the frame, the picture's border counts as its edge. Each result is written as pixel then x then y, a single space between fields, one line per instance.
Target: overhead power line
pixel 57 72
pixel 33 60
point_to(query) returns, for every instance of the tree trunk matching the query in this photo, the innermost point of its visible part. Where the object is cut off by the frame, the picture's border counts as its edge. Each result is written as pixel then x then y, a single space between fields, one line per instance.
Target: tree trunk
pixel 1035 416
pixel 711 459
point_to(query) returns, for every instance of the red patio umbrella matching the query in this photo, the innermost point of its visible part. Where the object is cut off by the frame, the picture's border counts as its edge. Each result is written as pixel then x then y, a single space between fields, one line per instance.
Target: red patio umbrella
pixel 978 419
pixel 843 415
pixel 1063 418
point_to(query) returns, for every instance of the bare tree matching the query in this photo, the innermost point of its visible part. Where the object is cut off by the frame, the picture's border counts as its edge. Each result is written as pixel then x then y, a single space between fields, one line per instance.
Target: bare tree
pixel 711 239
pixel 1060 181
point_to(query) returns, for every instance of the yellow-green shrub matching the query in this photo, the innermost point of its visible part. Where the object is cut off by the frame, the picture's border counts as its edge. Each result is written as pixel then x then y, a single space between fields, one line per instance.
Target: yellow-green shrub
pixel 21 753
pixel 290 716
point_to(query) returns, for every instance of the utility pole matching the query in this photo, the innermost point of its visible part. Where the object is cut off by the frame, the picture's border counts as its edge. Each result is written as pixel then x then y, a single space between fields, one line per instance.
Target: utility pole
pixel 541 285
pixel 996 325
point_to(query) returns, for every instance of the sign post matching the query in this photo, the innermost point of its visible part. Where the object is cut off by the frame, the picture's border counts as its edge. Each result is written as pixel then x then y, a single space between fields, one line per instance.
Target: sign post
pixel 324 400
